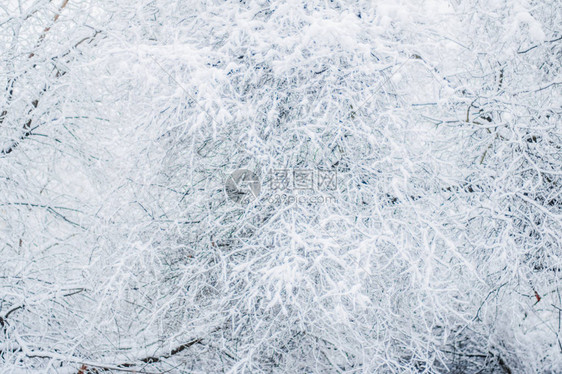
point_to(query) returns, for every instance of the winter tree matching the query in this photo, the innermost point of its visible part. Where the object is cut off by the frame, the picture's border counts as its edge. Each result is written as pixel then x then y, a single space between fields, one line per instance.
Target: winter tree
pixel 126 127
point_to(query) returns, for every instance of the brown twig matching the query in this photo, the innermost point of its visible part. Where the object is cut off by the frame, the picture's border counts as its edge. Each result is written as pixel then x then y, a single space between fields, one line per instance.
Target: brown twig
pixel 48 28
pixel 146 360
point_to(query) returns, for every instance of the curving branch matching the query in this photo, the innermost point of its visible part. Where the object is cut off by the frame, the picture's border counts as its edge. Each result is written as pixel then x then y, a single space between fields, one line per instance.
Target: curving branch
pixel 27 126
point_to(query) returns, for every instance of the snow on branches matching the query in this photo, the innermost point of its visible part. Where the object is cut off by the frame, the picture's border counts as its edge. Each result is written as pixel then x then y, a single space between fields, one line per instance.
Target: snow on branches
pixel 291 186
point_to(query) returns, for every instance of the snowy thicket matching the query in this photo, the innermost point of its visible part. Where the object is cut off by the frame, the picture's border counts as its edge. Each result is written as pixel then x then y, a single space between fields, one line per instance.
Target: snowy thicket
pixel 439 251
